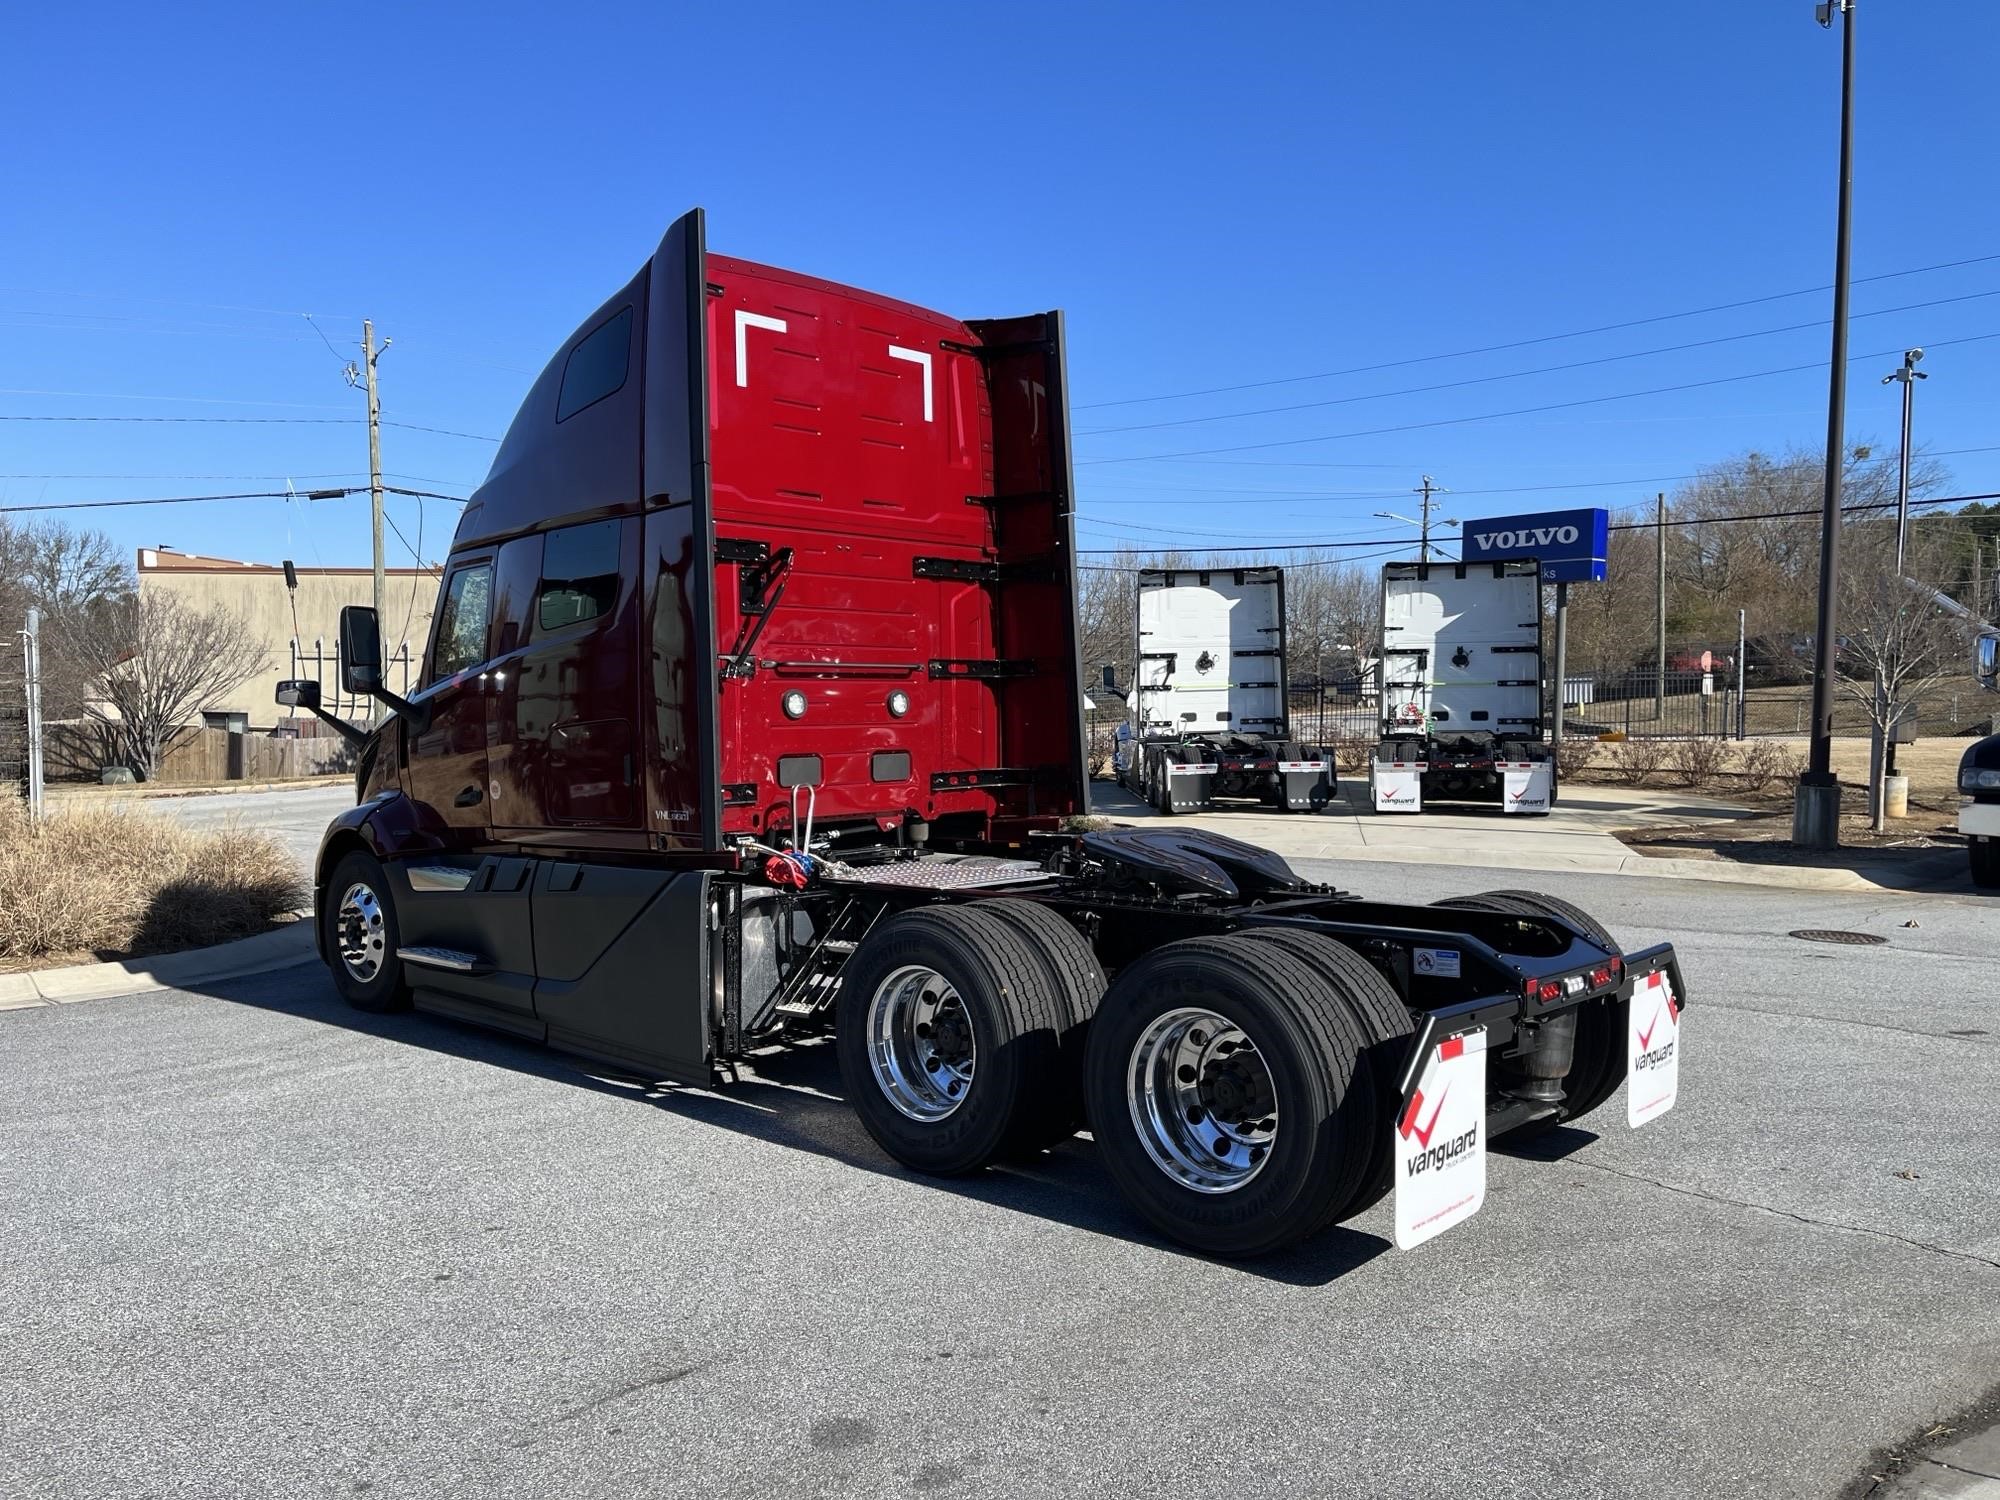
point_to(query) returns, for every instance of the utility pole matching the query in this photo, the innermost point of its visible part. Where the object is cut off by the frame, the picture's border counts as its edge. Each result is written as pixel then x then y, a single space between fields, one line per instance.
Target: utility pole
pixel 1816 808
pixel 1660 607
pixel 1909 375
pixel 1429 488
pixel 369 354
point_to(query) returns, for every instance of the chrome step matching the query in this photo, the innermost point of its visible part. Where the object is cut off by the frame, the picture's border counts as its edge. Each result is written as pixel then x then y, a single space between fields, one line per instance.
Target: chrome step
pixel 444 958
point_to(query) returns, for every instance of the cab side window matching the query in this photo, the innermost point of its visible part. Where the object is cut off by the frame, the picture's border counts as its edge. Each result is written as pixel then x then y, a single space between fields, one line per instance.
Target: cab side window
pixel 579 575
pixel 596 366
pixel 462 618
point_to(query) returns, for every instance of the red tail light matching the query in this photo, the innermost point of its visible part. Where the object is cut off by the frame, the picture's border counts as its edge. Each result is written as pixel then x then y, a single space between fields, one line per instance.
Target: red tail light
pixel 1549 989
pixel 1604 977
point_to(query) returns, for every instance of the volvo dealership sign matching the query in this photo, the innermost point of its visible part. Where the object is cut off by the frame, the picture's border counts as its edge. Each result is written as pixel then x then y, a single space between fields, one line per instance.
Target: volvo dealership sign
pixel 1569 544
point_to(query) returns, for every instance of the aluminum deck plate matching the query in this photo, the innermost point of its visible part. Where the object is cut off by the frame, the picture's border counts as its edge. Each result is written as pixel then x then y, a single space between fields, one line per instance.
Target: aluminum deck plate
pixel 942 875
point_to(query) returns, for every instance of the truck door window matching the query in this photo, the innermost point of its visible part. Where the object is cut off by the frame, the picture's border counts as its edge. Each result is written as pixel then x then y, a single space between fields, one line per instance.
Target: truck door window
pixel 579 575
pixel 461 633
pixel 596 366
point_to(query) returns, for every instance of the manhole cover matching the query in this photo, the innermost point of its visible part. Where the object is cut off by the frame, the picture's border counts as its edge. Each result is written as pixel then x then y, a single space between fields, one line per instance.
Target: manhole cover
pixel 1835 935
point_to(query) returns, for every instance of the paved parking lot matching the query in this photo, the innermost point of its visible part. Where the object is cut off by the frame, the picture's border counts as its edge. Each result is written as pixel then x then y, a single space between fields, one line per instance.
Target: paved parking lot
pixel 259 1245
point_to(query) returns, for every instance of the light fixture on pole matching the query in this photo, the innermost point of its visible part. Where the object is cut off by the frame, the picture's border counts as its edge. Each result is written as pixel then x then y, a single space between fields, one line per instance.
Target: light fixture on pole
pixel 1423 526
pixel 1816 804
pixel 1909 375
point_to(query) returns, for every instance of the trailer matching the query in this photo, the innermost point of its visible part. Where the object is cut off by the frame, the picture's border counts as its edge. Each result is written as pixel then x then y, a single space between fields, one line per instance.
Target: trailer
pixel 1206 714
pixel 1461 688
pixel 749 720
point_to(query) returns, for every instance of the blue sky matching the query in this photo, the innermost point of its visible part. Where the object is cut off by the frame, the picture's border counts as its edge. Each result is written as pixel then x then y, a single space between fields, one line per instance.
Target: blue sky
pixel 1218 196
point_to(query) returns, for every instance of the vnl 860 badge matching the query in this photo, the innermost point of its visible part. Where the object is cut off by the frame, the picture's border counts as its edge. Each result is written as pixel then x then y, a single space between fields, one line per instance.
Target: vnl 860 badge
pixel 1440 1142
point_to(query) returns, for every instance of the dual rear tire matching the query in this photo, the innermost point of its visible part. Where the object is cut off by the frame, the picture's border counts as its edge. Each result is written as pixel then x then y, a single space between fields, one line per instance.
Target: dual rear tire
pixel 959 1032
pixel 1233 1121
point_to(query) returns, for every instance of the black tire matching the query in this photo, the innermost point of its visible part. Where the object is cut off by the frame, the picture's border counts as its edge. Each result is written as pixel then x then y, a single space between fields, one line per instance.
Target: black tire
pixel 1597 1060
pixel 1015 1013
pixel 1535 904
pixel 1985 858
pixel 1309 1043
pixel 1078 978
pixel 360 909
pixel 1386 1030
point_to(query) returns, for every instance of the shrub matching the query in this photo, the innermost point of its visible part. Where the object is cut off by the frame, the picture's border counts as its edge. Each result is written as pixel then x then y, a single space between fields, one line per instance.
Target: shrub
pixel 1575 753
pixel 1697 761
pixel 112 881
pixel 1636 760
pixel 1766 761
pixel 1351 752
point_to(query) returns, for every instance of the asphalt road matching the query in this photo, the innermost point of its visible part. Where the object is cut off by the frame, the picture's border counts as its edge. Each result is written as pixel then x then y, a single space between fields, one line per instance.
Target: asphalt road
pixel 296 817
pixel 256 1245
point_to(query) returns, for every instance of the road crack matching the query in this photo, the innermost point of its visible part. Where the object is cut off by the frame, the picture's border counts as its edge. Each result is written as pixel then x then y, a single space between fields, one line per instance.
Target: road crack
pixel 1785 1213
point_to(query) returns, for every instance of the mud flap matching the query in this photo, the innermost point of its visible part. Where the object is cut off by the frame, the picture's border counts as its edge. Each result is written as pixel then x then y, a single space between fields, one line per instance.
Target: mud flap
pixel 1305 784
pixel 1652 1049
pixel 1440 1139
pixel 1189 788
pixel 1528 786
pixel 1398 787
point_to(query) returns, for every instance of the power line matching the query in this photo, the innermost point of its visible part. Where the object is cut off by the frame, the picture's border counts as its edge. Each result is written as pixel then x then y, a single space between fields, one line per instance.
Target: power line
pixel 178 400
pixel 253 421
pixel 478 437
pixel 1551 338
pixel 330 494
pixel 1580 364
pixel 1772 515
pixel 1317 497
pixel 1522 411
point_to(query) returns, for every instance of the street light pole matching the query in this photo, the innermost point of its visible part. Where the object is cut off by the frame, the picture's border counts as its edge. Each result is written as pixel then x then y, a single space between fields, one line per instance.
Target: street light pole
pixel 1816 810
pixel 1909 375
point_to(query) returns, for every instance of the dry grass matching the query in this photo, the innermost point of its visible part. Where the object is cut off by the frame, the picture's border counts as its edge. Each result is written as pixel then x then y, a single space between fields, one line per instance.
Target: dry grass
pixel 113 883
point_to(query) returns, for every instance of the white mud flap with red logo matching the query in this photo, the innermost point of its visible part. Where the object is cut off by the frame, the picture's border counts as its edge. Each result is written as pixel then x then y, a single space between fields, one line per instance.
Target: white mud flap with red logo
pixel 1652 1049
pixel 1440 1141
pixel 1398 786
pixel 1526 785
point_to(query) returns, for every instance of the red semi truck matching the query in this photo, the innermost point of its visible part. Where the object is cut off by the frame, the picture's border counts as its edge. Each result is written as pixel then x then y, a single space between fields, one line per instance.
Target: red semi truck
pixel 752 712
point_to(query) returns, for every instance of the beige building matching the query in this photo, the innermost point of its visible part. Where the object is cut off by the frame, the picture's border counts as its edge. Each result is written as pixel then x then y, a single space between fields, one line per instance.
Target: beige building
pixel 257 593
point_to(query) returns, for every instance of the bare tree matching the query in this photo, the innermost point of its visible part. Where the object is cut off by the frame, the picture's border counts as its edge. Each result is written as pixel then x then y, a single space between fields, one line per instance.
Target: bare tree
pixel 59 570
pixel 155 662
pixel 1897 641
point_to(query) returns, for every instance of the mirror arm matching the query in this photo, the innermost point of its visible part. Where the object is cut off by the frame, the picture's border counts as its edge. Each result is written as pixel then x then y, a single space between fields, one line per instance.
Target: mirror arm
pixel 417 716
pixel 352 733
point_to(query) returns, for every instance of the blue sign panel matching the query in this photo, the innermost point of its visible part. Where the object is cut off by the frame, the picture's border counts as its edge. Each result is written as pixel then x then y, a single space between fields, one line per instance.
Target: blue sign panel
pixel 1569 544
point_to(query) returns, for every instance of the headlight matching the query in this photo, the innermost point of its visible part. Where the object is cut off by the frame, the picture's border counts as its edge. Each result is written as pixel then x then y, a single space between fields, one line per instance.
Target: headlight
pixel 1975 779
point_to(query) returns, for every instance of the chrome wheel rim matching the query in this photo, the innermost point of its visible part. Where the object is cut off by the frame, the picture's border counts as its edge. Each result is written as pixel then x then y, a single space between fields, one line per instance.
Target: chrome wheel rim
pixel 1202 1100
pixel 921 1047
pixel 361 933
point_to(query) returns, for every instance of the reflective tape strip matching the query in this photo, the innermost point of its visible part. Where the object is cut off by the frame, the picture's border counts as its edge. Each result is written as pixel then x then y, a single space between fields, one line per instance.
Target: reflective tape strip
pixel 1190 770
pixel 1301 765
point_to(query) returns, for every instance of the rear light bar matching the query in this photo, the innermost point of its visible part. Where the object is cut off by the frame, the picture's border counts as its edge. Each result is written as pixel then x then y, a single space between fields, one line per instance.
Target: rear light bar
pixel 1605 976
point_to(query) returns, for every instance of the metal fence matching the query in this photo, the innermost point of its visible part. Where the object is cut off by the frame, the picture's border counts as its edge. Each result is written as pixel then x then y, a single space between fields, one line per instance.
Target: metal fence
pixel 1682 705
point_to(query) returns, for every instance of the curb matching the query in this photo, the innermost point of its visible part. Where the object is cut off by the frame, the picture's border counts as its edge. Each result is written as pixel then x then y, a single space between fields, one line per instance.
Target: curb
pixel 1935 881
pixel 278 949
pixel 1968 1469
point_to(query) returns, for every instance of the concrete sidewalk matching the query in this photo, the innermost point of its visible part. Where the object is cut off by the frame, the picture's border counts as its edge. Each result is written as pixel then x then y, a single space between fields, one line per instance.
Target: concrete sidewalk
pixel 1580 835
